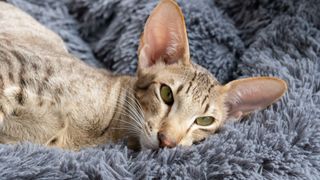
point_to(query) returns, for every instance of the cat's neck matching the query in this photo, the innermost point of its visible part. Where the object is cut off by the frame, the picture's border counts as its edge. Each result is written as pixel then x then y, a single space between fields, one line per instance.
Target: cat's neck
pixel 126 112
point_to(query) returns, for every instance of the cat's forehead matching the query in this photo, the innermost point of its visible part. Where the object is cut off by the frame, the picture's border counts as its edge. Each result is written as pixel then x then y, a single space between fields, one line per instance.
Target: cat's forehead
pixel 193 74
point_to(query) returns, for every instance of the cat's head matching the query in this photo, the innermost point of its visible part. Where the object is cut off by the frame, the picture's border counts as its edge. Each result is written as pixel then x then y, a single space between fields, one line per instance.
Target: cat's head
pixel 182 102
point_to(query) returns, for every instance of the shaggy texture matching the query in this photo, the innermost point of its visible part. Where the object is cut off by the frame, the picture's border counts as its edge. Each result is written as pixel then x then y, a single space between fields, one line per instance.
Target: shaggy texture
pixel 233 39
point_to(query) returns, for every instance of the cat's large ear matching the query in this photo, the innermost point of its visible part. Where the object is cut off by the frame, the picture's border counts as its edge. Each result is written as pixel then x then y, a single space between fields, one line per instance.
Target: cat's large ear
pixel 246 95
pixel 164 37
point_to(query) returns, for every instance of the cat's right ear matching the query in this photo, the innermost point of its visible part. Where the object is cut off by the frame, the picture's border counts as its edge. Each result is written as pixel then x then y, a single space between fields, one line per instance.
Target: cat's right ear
pixel 165 37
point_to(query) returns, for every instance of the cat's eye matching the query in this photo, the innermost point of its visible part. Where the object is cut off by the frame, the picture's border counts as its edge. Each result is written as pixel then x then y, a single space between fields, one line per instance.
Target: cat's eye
pixel 166 94
pixel 204 121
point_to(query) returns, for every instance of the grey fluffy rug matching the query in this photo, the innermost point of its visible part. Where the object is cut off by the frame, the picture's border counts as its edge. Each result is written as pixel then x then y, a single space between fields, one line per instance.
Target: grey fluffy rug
pixel 233 39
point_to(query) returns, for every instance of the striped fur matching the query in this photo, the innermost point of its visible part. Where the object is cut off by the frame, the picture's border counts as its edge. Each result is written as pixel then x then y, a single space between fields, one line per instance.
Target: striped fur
pixel 48 96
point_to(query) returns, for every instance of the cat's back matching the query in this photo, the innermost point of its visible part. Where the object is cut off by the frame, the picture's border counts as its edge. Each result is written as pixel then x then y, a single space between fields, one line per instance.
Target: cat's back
pixel 33 57
pixel 20 29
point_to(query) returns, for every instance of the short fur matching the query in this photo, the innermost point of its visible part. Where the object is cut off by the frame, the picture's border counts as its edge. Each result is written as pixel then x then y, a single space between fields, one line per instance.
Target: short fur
pixel 47 96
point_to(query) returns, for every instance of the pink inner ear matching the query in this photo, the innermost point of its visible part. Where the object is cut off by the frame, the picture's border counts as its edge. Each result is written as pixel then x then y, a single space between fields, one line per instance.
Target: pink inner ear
pixel 247 95
pixel 158 41
pixel 164 38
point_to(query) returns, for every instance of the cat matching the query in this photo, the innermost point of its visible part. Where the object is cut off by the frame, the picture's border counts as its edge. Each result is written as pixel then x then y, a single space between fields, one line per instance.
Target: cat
pixel 49 97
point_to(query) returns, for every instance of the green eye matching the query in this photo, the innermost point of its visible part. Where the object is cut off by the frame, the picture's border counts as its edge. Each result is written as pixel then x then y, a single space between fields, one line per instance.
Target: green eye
pixel 166 94
pixel 204 121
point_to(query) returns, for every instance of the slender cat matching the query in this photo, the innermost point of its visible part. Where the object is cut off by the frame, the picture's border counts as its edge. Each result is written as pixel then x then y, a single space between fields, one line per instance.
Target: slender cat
pixel 47 96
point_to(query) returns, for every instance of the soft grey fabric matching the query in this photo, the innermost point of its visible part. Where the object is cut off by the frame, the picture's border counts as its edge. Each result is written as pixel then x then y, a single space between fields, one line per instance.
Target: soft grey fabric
pixel 233 39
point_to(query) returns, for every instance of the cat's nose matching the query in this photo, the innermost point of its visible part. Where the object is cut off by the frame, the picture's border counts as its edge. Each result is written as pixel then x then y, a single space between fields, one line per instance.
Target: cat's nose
pixel 164 141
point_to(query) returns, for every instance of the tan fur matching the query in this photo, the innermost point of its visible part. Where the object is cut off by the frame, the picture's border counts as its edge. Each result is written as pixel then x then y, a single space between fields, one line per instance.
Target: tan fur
pixel 49 97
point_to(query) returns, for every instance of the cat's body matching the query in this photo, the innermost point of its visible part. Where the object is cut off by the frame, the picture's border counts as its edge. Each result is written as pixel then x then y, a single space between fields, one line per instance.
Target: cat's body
pixel 46 92
pixel 47 96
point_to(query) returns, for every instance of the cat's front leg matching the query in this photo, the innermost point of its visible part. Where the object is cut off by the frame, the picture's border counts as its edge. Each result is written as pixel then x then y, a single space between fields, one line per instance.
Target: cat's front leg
pixel 64 141
pixel 61 139
pixel 68 137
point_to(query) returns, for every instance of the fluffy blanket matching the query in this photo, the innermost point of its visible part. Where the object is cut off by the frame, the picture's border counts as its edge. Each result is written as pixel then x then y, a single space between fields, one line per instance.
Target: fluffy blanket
pixel 233 39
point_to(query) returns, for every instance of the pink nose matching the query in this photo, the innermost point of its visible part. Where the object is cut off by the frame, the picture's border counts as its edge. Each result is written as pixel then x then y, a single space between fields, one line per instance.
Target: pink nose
pixel 164 141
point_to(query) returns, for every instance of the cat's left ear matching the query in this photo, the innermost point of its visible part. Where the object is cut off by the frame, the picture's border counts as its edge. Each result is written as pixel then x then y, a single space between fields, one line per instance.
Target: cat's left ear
pixel 247 95
pixel 164 37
